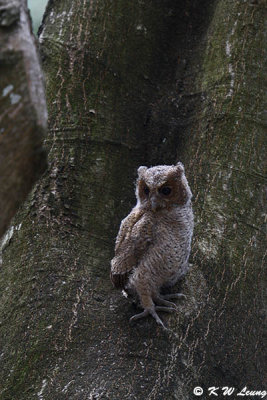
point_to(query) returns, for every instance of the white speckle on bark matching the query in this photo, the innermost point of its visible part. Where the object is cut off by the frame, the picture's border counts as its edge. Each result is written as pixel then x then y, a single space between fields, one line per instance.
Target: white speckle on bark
pixel 54 172
pixel 14 98
pixel 52 17
pixel 7 90
pixel 40 393
pixel 209 246
pixel 228 48
pixel 70 13
pixel 72 163
pixel 65 389
pixel 75 312
pixel 98 393
pixel 141 28
pixel 5 241
pixel 61 18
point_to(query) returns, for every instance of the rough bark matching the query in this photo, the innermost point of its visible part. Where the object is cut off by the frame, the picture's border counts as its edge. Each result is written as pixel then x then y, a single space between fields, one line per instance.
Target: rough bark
pixel 23 115
pixel 132 83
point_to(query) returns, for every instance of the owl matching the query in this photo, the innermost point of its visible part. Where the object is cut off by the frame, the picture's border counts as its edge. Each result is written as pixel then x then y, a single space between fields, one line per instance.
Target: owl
pixel 154 241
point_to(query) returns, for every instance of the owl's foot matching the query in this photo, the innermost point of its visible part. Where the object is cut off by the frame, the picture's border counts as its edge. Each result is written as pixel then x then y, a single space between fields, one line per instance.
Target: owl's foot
pixel 173 296
pixel 161 300
pixel 152 311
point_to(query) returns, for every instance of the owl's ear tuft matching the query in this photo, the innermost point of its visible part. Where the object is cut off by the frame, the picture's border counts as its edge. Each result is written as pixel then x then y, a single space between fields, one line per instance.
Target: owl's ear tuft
pixel 180 167
pixel 141 170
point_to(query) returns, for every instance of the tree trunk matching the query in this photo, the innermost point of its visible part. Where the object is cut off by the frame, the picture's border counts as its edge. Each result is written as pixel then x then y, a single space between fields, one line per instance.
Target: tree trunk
pixel 131 83
pixel 23 115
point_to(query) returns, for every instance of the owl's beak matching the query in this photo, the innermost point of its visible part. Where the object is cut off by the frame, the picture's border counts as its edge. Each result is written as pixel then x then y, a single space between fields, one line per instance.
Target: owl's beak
pixel 154 203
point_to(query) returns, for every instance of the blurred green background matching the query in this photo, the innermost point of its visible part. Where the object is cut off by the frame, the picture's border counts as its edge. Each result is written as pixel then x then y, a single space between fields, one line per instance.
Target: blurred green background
pixel 37 9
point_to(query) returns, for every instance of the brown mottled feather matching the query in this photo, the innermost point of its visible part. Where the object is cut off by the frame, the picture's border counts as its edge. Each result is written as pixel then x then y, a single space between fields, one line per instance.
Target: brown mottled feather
pixel 130 246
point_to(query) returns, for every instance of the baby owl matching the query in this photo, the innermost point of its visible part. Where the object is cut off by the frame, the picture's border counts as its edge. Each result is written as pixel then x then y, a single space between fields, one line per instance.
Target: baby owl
pixel 153 244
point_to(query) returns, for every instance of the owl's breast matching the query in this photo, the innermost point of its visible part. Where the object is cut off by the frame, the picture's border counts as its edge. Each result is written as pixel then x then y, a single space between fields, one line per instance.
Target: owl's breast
pixel 173 234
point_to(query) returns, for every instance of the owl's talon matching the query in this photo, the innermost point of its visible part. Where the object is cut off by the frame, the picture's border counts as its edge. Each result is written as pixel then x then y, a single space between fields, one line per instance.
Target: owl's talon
pixel 163 302
pixel 143 314
pixel 173 296
pixel 152 312
pixel 165 309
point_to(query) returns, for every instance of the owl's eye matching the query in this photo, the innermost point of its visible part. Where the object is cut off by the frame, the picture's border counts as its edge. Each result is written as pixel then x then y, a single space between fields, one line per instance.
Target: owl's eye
pixel 146 190
pixel 166 190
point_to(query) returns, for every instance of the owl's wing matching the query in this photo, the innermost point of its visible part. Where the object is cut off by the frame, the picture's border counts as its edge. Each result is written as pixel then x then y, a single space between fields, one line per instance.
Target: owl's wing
pixel 134 237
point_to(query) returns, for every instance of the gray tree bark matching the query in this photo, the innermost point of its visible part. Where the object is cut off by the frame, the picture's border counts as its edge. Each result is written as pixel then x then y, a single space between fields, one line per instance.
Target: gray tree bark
pixel 131 83
pixel 23 115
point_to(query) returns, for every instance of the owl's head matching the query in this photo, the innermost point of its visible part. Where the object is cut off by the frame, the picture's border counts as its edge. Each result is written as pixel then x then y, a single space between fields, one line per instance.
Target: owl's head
pixel 162 187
